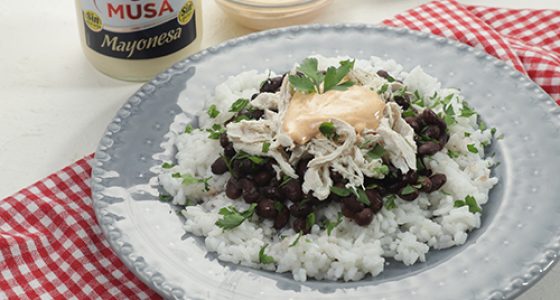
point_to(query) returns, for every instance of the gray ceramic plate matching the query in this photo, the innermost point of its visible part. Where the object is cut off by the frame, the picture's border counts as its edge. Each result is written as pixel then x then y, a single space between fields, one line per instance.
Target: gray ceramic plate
pixel 517 243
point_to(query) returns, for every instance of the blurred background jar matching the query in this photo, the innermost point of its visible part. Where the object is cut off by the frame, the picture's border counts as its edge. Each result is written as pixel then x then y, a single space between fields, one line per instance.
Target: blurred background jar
pixel 136 39
pixel 264 14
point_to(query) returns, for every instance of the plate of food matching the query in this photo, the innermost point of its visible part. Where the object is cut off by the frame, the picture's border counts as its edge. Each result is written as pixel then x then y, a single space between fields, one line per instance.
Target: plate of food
pixel 333 161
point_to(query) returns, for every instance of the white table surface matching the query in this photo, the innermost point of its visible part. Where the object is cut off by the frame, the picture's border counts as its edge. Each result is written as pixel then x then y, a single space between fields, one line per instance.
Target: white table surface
pixel 54 106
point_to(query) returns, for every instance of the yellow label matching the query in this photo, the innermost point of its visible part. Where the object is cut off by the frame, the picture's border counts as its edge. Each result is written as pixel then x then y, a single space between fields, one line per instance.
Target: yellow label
pixel 93 21
pixel 186 13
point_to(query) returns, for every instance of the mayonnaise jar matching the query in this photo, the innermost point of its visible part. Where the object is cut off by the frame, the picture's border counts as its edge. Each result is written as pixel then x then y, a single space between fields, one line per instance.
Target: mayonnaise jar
pixel 136 39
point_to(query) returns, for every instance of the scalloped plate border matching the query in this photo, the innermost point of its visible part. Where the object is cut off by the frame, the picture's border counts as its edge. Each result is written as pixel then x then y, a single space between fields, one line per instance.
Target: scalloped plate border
pixel 136 263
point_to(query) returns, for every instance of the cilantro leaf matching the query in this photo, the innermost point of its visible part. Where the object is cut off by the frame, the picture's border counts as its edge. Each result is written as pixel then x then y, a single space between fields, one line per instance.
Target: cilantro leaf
pixel 466 111
pixel 302 84
pixel 309 67
pixel 189 179
pixel 335 75
pixel 233 218
pixel 472 148
pixel 167 165
pixel 254 158
pixel 409 112
pixel 215 132
pixel 459 203
pixel 213 111
pixel 328 130
pixel 310 220
pixel 377 152
pixel 165 198
pixel 383 169
pixel 467 134
pixel 473 205
pixel 239 105
pixel 265 147
pixel 263 258
pixel 407 190
pixel 383 89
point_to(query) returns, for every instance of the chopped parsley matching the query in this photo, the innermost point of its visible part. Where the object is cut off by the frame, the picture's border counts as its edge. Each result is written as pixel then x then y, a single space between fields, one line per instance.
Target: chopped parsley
pixel 472 148
pixel 449 115
pixel 233 218
pixel 453 154
pixel 482 126
pixel 189 179
pixel 263 258
pixel 467 134
pixel 312 78
pixel 213 111
pixel 409 112
pixel 493 131
pixel 469 201
pixel 466 111
pixel 167 165
pixel 390 202
pixel 240 118
pixel 328 130
pixel 189 129
pixel 239 105
pixel 285 180
pixel 254 158
pixel 418 100
pixel 329 225
pixel 215 132
pixel 265 147
pixel 383 89
pixel 376 153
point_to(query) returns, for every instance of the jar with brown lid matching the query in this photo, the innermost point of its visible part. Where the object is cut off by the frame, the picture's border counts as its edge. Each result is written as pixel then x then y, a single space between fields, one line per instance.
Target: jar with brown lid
pixel 136 39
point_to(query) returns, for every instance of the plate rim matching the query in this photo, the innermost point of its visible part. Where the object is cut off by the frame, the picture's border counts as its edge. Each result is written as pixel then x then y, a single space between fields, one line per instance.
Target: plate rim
pixel 532 273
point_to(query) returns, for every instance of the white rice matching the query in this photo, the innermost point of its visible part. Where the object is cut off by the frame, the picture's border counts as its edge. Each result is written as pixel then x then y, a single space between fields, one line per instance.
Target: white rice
pixel 405 233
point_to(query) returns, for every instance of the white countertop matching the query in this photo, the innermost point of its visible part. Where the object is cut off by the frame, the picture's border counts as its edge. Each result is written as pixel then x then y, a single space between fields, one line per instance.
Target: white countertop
pixel 54 106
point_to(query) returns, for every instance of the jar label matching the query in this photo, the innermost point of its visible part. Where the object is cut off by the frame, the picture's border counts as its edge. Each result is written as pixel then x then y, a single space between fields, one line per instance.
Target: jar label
pixel 138 29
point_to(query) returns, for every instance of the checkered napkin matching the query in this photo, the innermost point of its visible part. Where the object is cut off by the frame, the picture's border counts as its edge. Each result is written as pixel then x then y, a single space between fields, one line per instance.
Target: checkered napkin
pixel 51 245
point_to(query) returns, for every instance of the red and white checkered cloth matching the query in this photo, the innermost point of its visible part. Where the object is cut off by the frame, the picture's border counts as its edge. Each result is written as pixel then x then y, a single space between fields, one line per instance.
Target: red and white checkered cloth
pixel 52 247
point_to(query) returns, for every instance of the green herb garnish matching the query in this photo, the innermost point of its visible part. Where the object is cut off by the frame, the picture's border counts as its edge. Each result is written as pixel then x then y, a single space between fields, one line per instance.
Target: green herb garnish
pixel 254 158
pixel 383 89
pixel 310 220
pixel 467 134
pixel 213 111
pixel 215 132
pixel 407 190
pixel 312 78
pixel 328 130
pixel 376 153
pixel 233 218
pixel 362 197
pixel 265 147
pixel 383 169
pixel 409 112
pixel 165 198
pixel 263 258
pixel 453 154
pixel 189 179
pixel 167 165
pixel 472 148
pixel 466 111
pixel 329 225
pixel 189 129
pixel 390 202
pixel 469 201
pixel 341 192
pixel 239 105
pixel 285 180
pixel 296 240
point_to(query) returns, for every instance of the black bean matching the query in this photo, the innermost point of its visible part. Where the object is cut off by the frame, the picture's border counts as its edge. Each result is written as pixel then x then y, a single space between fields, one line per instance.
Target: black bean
pixel 403 101
pixel 292 191
pixel 266 209
pixel 352 203
pixel 233 189
pixel 409 196
pixel 429 148
pixel 426 184
pixel 256 114
pixel 383 74
pixel 438 180
pixel 300 225
pixel 219 166
pixel 432 131
pixel 272 85
pixel 396 187
pixel 243 166
pixel 271 192
pixel 254 96
pixel 430 117
pixel 229 151
pixel 443 139
pixel 314 200
pixel 262 178
pixel 299 210
pixel 282 218
pixel 347 212
pixel 250 192
pixel 224 140
pixel 413 122
pixel 302 166
pixel 364 217
pixel 411 177
pixel 375 200
pixel 337 178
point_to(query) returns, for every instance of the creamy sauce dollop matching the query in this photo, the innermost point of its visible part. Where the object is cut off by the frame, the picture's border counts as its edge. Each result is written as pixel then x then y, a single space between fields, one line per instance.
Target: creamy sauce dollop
pixel 358 106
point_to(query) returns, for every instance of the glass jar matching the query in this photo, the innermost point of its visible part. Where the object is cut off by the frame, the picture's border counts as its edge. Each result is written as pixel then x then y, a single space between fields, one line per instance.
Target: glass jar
pixel 136 39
